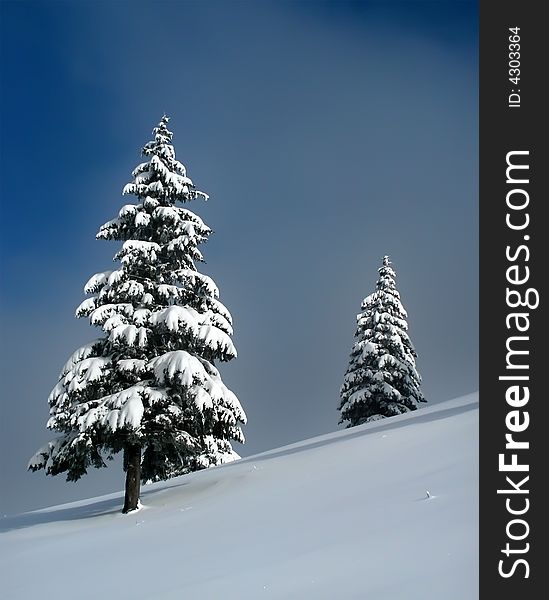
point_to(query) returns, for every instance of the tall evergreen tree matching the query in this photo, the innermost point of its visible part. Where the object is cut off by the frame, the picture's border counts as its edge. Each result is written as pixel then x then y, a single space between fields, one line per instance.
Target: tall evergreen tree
pixel 381 380
pixel 148 386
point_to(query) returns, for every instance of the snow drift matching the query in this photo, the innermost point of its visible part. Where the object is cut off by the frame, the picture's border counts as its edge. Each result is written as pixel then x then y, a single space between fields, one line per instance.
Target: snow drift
pixel 383 511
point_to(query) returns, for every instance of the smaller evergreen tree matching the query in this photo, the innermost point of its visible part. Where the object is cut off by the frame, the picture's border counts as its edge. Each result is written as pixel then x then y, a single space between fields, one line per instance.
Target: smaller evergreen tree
pixel 382 379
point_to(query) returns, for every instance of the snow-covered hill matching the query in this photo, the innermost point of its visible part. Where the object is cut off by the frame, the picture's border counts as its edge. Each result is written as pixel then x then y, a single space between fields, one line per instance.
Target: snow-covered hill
pixel 342 516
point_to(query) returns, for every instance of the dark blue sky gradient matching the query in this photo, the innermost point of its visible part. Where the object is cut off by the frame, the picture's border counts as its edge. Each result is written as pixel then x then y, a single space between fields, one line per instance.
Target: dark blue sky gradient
pixel 327 135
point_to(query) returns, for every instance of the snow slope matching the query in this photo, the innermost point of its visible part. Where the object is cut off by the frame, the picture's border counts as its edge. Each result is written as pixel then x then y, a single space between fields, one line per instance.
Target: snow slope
pixel 342 516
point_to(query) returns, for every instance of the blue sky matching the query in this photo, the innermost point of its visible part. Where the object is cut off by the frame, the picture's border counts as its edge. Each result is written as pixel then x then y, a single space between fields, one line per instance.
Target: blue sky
pixel 327 135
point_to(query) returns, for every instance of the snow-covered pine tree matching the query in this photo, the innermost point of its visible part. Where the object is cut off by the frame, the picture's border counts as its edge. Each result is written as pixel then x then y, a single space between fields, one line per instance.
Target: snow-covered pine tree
pixel 382 379
pixel 148 386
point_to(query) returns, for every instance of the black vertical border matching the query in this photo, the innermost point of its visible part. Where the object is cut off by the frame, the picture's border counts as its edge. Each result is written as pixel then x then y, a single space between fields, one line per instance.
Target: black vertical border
pixel 504 129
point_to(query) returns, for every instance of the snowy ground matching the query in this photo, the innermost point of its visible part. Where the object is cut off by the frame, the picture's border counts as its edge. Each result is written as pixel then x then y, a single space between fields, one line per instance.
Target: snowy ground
pixel 342 516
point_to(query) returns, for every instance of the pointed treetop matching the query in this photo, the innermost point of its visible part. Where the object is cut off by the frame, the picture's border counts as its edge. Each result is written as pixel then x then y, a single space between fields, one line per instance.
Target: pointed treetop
pixel 162 135
pixel 162 178
pixel 387 276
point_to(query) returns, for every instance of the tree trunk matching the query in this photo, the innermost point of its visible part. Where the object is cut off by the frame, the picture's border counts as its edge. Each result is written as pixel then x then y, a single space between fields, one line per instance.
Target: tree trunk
pixel 132 461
